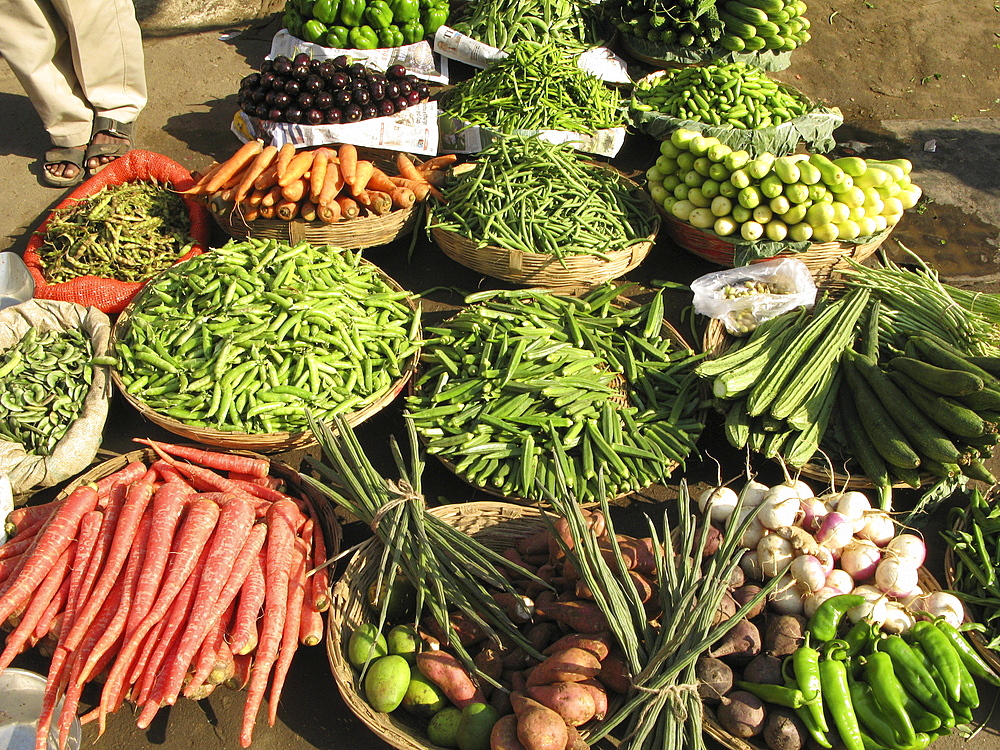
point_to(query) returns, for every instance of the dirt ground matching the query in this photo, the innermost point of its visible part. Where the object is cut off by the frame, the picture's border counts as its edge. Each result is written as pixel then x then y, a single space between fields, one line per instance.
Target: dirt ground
pixel 914 79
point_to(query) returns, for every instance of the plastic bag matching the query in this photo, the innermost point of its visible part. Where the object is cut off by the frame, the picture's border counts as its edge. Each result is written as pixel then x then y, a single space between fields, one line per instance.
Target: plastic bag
pixel 76 450
pixel 787 285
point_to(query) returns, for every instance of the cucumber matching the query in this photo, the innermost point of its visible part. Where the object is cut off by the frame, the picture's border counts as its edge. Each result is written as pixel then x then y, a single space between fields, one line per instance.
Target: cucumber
pixel 768 6
pixel 751 15
pixel 909 477
pixel 947 382
pixel 924 435
pixel 980 401
pixel 737 26
pixel 861 446
pixel 755 43
pixel 974 469
pixel 990 364
pixel 767 29
pixel 947 414
pixel 887 438
pixel 732 43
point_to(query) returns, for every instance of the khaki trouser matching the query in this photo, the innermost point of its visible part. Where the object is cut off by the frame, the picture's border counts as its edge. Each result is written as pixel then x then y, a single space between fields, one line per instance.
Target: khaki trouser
pixel 75 59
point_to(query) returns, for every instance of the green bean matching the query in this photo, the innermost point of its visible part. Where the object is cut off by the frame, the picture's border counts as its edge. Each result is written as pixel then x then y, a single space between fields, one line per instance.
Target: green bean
pixel 502 23
pixel 324 354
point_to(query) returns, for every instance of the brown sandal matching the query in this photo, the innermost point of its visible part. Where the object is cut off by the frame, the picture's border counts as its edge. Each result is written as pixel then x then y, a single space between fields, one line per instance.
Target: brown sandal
pixel 67 155
pixel 110 127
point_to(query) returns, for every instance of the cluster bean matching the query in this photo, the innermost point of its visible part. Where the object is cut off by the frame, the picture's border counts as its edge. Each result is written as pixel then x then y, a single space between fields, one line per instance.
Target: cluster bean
pixel 44 380
pixel 523 388
pixel 127 232
pixel 730 93
pixel 536 87
pixel 251 336
pixel 530 195
pixel 502 23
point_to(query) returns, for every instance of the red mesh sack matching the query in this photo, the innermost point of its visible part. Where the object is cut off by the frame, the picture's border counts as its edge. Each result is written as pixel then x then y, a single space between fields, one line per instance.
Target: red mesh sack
pixel 111 295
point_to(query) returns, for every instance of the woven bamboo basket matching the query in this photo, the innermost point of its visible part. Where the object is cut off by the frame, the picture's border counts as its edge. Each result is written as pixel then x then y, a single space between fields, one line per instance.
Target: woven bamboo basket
pixel 545 270
pixel 350 234
pixel 822 258
pixel 497 525
pixel 293 486
pixel 273 442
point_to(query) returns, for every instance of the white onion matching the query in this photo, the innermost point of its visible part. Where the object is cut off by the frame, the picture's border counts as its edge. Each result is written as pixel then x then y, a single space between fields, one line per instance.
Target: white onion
pixel 786 598
pixel 719 502
pixel 779 508
pixel 813 512
pixel 908 548
pixel 774 553
pixel 750 562
pixel 873 609
pixel 878 528
pixel 860 557
pixel 808 573
pixel 836 531
pixel 896 577
pixel 840 580
pixel 854 505
pixel 753 493
pixel 943 604
pixel 814 598
pixel 897 619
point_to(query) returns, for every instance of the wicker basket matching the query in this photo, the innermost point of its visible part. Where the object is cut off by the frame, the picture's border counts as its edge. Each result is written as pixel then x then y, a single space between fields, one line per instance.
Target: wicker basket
pixel 294 487
pixel 822 258
pixel 497 525
pixel 572 273
pixel 274 442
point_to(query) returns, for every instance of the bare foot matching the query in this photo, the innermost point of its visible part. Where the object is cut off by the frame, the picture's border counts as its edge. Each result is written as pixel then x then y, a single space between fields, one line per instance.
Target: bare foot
pixel 65 169
pixel 101 138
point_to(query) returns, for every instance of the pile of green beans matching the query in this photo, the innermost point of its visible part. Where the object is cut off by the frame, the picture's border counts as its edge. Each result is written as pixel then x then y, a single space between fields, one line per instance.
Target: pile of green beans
pixel 725 94
pixel 128 232
pixel 250 336
pixel 44 380
pixel 524 388
pixel 502 23
pixel 536 87
pixel 530 195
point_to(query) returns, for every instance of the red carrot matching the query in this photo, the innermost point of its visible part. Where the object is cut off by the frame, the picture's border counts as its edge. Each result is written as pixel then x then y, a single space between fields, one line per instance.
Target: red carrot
pixel 54 608
pixel 268 481
pixel 27 514
pixel 54 538
pixel 290 631
pixel 167 472
pixel 282 518
pixel 258 467
pixel 243 638
pixel 19 544
pixel 267 493
pixel 243 664
pixel 205 659
pixel 126 475
pixel 311 624
pixel 319 576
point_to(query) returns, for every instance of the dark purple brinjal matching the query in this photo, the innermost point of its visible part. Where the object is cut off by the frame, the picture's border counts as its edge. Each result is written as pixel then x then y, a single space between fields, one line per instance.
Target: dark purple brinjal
pixel 400 103
pixel 314 117
pixel 395 72
pixel 386 107
pixel 342 98
pixel 369 111
pixel 267 66
pixel 282 66
pixel 293 114
pixel 249 107
pixel 313 84
pixel 424 89
pixel 377 91
pixel 358 70
pixel 266 81
pixel 352 113
pixel 315 65
pixel 304 100
pixel 281 99
pixel 324 100
pixel 361 97
pixel 302 58
pixel 391 90
pixel 250 80
pixel 341 62
pixel 293 87
pixel 339 80
pixel 404 88
pixel 262 111
pixel 333 116
pixel 413 97
pixel 275 115
pixel 326 70
pixel 300 72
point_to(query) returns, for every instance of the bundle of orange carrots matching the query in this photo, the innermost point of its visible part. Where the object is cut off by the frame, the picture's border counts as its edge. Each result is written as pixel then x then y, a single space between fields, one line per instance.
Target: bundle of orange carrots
pixel 165 578
pixel 327 184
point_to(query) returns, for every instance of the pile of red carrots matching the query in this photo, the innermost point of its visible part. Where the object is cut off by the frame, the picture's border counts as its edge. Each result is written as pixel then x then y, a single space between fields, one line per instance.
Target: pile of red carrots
pixel 165 578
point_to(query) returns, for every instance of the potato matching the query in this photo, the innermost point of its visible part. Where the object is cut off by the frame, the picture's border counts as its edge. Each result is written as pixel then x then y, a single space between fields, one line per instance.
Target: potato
pixel 742 714
pixel 538 727
pixel 569 665
pixel 573 702
pixel 783 730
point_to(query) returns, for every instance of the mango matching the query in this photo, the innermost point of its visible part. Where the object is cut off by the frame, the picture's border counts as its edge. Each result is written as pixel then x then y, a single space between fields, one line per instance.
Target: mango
pixel 442 729
pixel 404 641
pixel 423 698
pixel 365 642
pixel 475 726
pixel 386 682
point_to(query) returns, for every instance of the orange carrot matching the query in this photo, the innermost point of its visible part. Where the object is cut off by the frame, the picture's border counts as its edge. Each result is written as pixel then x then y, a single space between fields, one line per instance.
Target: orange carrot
pixel 285 154
pixel 437 162
pixel 266 212
pixel 333 181
pixel 406 169
pixel 251 214
pixel 420 189
pixel 290 631
pixel 261 162
pixel 402 197
pixel 380 181
pixel 273 196
pixel 307 210
pixel 296 190
pixel 201 179
pixel 348 207
pixel 256 196
pixel 317 173
pixel 362 173
pixel 348 155
pixel 234 164
pixel 328 213
pixel 267 179
pixel 295 168
pixel 286 210
pixel 380 203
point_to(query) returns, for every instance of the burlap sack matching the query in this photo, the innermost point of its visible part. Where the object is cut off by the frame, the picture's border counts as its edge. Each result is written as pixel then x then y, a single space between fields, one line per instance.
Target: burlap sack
pixel 78 447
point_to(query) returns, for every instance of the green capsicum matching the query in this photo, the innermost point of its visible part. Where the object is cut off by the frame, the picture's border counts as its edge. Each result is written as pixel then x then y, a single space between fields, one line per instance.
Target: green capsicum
pixel 378 14
pixel 363 37
pixel 314 31
pixel 304 7
pixel 888 693
pixel 434 16
pixel 337 37
pixel 405 10
pixel 326 11
pixel 292 21
pixel 837 697
pixel 352 13
pixel 390 36
pixel 413 32
pixel 941 654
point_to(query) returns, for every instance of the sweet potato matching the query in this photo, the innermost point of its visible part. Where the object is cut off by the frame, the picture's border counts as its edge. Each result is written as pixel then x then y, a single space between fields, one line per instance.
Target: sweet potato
pixel 500 700
pixel 600 696
pixel 538 727
pixel 573 702
pixel 488 662
pixel 541 634
pixel 517 658
pixel 447 672
pixel 599 644
pixel 638 553
pixel 615 674
pixel 517 608
pixel 503 736
pixel 574 741
pixel 583 617
pixel 534 544
pixel 644 586
pixel 569 665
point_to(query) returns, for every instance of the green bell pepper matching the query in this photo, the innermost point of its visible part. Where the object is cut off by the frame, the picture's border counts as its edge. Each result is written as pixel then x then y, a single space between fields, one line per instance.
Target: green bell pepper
pixel 352 13
pixel 326 11
pixel 404 11
pixel 413 32
pixel 304 7
pixel 363 37
pixel 337 37
pixel 378 14
pixel 434 16
pixel 314 31
pixel 292 21
pixel 390 36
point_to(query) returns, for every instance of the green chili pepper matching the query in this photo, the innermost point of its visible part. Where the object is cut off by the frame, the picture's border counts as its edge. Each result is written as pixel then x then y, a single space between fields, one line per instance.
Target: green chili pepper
pixel 916 678
pixel 378 14
pixel 939 651
pixel 805 666
pixel 826 619
pixel 390 36
pixel 352 12
pixel 314 31
pixel 413 32
pixel 888 693
pixel 970 657
pixel 922 719
pixel 777 694
pixel 327 11
pixel 837 697
pixel 861 637
pixel 434 17
pixel 872 719
pixel 337 37
pixel 363 37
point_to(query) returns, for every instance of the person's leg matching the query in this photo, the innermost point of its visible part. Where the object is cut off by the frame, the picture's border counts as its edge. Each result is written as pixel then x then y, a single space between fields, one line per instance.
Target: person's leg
pixel 35 43
pixel 108 59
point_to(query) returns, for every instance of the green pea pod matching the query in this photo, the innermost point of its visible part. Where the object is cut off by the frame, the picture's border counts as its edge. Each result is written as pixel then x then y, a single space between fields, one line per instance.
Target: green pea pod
pixel 941 654
pixel 916 678
pixel 805 665
pixel 888 694
pixel 776 694
pixel 969 656
pixel 826 619
pixel 837 697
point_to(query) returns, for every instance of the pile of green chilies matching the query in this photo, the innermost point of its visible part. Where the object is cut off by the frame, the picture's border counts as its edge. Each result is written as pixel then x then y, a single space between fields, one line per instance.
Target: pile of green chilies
pixel 127 232
pixel 247 337
pixel 536 87
pixel 502 23
pixel 530 195
pixel 44 379
pixel 523 386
